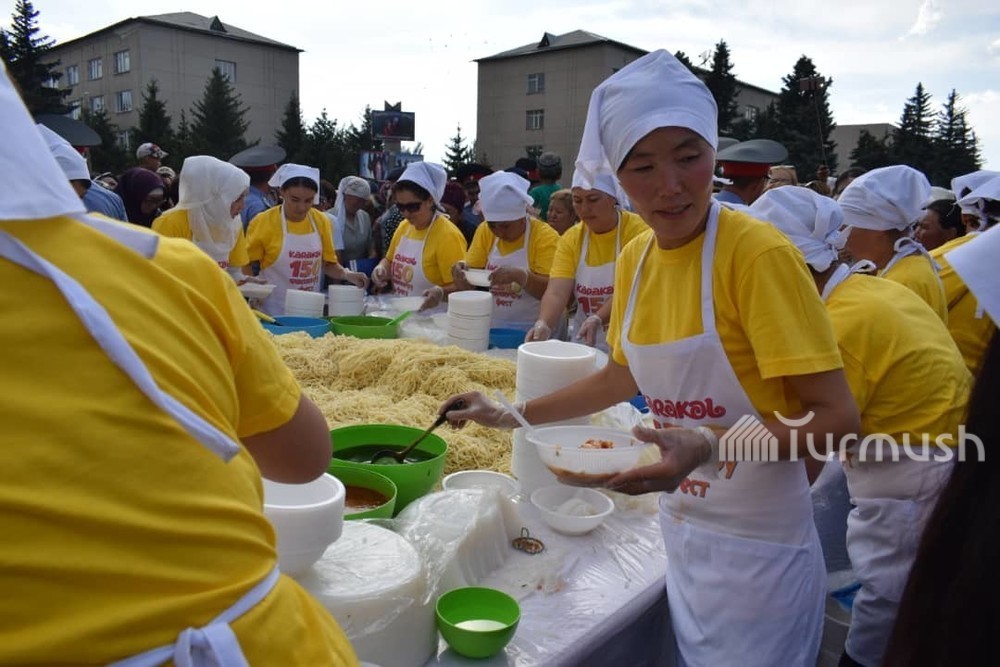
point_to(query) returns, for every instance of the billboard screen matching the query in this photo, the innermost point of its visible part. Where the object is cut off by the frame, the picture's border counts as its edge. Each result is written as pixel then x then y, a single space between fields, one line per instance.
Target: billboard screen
pixel 398 125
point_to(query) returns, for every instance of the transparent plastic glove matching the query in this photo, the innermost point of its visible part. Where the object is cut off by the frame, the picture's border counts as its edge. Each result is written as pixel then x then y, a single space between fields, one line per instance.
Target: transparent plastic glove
pixel 432 297
pixel 681 451
pixel 541 331
pixel 589 330
pixel 480 410
pixel 508 275
pixel 380 276
pixel 356 278
pixel 458 270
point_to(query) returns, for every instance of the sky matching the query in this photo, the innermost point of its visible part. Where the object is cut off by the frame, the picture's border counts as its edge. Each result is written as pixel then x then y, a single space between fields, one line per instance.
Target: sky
pixel 422 54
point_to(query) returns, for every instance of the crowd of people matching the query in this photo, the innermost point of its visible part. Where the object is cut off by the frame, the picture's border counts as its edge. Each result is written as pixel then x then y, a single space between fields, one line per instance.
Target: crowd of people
pixel 845 307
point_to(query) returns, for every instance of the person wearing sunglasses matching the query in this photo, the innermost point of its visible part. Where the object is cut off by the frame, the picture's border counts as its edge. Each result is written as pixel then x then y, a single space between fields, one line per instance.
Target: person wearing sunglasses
pixel 426 244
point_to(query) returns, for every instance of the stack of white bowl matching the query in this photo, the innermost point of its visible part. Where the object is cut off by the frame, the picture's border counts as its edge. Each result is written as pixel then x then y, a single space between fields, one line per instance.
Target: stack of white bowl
pixel 345 300
pixel 542 368
pixel 469 316
pixel 304 304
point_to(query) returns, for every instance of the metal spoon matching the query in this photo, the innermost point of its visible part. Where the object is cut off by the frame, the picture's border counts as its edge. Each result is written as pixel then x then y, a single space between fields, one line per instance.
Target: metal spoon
pixel 400 455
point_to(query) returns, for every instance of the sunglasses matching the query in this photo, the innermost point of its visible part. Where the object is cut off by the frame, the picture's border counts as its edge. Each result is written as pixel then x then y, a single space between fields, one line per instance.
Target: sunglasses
pixel 411 207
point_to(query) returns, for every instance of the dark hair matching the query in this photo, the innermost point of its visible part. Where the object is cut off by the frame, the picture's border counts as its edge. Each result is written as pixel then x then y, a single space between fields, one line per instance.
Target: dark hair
pixel 300 182
pixel 844 177
pixel 84 183
pixel 327 189
pixel 949 614
pixel 409 186
pixel 949 215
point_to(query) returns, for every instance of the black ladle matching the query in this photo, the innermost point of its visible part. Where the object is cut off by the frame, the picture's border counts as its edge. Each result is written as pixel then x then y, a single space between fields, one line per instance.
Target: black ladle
pixel 400 455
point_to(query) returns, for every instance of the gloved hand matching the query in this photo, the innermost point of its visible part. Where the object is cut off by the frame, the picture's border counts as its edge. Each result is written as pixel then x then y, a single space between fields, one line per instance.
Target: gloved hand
pixel 356 278
pixel 541 331
pixel 432 297
pixel 458 270
pixel 589 330
pixel 481 410
pixel 508 275
pixel 681 451
pixel 380 276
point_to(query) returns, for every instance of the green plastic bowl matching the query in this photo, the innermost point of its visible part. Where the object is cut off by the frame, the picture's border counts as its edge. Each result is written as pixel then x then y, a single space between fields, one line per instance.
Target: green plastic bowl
pixel 477 622
pixel 412 480
pixel 365 479
pixel 364 326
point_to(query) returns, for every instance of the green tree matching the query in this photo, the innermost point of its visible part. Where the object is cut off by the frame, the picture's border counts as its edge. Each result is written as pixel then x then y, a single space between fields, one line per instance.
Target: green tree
pixel 681 56
pixel 154 123
pixel 871 152
pixel 292 135
pixel 182 140
pixel 218 125
pixel 804 120
pixel 956 147
pixel 329 147
pixel 23 48
pixel 721 81
pixel 456 153
pixel 109 155
pixel 913 141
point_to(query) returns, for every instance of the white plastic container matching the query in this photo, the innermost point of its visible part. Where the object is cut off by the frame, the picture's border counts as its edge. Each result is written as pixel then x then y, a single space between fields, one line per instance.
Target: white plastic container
pixel 554 503
pixel 307 518
pixel 304 304
pixel 345 300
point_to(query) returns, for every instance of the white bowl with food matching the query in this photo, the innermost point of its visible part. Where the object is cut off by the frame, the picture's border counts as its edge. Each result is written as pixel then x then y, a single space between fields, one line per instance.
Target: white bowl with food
pixel 572 511
pixel 482 479
pixel 251 290
pixel 586 455
pixel 307 518
pixel 478 277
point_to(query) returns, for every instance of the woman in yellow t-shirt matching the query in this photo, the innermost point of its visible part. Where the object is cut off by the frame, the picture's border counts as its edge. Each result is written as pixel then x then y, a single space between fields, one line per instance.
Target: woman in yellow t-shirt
pixel 562 216
pixel 426 244
pixel 212 193
pixel 880 209
pixel 294 241
pixel 584 264
pixel 717 320
pixel 893 348
pixel 515 248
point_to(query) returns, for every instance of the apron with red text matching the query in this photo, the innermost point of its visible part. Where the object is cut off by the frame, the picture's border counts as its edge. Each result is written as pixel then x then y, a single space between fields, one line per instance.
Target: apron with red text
pixel 408 277
pixel 594 285
pixel 299 265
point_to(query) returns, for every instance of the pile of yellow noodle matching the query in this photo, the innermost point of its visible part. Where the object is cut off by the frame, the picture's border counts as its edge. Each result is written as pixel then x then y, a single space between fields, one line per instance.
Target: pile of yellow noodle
pixel 358 381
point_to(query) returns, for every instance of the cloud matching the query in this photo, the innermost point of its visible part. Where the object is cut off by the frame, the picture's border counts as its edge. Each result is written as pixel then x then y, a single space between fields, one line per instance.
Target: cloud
pixel 928 16
pixel 981 107
pixel 994 48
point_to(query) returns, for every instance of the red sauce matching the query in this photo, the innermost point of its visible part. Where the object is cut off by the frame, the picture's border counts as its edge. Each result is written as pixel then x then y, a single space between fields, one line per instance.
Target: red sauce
pixel 361 499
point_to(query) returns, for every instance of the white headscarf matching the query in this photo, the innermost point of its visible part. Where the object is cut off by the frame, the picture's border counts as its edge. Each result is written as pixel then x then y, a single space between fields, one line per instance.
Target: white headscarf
pixel 970 182
pixel 974 203
pixel 431 177
pixel 887 198
pixel 349 185
pixel 73 165
pixel 654 91
pixel 288 171
pixel 503 195
pixel 33 186
pixel 809 220
pixel 208 187
pixel 604 181
pixel 975 263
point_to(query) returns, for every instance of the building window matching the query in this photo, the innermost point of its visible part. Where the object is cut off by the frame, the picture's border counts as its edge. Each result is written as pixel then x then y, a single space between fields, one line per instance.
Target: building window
pixel 122 63
pixel 227 68
pixel 74 109
pixel 95 70
pixel 123 101
pixel 533 151
pixel 536 83
pixel 750 113
pixel 51 82
pixel 124 140
pixel 72 75
pixel 534 119
pixel 97 104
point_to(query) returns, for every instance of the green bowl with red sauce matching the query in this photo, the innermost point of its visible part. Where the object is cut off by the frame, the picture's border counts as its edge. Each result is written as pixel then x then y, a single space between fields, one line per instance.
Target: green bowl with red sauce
pixel 369 495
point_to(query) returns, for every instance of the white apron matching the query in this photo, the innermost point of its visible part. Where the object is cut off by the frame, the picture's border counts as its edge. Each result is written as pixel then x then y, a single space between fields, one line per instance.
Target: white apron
pixel 214 644
pixel 594 285
pixel 513 309
pixel 299 266
pixel 407 267
pixel 904 247
pixel 745 578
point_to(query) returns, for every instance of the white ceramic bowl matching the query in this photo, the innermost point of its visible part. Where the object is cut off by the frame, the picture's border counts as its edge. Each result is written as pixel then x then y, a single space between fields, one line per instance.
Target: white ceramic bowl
pixel 478 277
pixel 561 450
pixel 256 290
pixel 572 511
pixel 482 479
pixel 307 518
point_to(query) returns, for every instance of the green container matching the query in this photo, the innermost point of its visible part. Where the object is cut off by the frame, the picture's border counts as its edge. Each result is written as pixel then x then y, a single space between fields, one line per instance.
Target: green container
pixel 412 480
pixel 366 479
pixel 477 622
pixel 364 326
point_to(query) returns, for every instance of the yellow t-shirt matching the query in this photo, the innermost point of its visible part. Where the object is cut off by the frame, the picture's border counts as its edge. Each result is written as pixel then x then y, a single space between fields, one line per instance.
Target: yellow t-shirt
pixel 175 223
pixel 443 246
pixel 768 312
pixel 894 349
pixel 265 236
pixel 600 247
pixel 917 273
pixel 120 530
pixel 971 330
pixel 541 247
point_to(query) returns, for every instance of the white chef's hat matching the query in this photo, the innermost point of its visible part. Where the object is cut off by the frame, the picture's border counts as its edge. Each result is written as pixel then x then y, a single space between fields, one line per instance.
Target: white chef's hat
pixel 503 196
pixel 886 198
pixel 654 91
pixel 288 171
pixel 431 177
pixel 966 183
pixel 604 181
pixel 975 263
pixel 73 164
pixel 809 220
pixel 985 192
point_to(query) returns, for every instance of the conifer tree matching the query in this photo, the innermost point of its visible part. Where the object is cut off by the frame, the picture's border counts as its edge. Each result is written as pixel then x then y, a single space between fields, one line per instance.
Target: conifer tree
pixel 109 155
pixel 956 148
pixel 804 120
pixel 871 152
pixel 218 125
pixel 913 140
pixel 721 81
pixel 154 123
pixel 23 48
pixel 457 153
pixel 292 134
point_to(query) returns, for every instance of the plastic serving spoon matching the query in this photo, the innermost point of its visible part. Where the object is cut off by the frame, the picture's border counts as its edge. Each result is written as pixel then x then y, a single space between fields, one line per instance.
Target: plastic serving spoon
pixel 399 318
pixel 400 455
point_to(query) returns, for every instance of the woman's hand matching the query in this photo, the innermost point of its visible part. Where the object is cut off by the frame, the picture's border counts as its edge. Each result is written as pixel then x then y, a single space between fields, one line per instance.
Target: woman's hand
pixel 380 276
pixel 681 451
pixel 507 275
pixel 479 409
pixel 432 297
pixel 458 270
pixel 356 278
pixel 541 331
pixel 589 330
